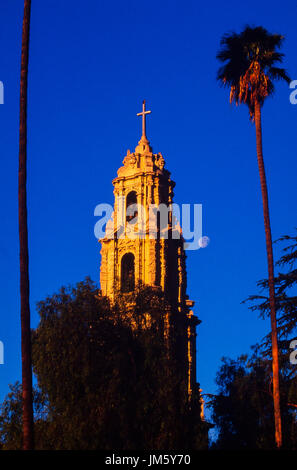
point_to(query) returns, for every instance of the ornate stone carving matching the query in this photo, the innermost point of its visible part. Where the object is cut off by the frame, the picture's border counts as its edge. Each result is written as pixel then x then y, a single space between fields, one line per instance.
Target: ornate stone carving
pixel 130 160
pixel 159 161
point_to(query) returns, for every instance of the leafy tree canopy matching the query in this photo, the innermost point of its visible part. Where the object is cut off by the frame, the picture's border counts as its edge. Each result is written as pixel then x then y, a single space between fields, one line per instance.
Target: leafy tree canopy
pixel 242 410
pixel 285 294
pixel 249 67
pixel 105 378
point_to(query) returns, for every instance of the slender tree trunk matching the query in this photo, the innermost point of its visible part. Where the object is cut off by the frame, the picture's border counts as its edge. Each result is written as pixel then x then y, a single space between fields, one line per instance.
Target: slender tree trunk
pixel 23 236
pixel 275 358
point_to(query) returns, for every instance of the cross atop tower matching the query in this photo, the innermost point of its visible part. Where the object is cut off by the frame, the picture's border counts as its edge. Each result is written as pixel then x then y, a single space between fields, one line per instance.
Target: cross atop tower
pixel 143 114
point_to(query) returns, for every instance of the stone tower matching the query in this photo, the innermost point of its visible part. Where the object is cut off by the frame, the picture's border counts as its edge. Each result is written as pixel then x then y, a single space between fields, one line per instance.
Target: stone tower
pixel 139 248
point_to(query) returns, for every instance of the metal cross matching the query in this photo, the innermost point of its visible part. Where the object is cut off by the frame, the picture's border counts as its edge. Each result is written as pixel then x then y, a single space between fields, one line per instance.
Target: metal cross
pixel 143 114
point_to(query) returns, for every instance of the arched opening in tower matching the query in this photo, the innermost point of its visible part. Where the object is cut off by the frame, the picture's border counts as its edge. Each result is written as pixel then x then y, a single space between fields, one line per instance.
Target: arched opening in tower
pixel 131 199
pixel 127 273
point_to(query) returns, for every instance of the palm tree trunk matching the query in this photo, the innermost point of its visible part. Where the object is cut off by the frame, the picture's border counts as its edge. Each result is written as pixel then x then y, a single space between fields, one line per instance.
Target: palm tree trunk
pixel 275 359
pixel 23 236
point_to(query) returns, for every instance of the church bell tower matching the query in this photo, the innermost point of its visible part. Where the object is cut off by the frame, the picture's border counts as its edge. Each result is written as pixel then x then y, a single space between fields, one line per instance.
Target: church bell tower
pixel 139 248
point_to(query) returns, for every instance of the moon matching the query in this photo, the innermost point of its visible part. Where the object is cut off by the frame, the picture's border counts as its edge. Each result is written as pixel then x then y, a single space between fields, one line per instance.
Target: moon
pixel 203 242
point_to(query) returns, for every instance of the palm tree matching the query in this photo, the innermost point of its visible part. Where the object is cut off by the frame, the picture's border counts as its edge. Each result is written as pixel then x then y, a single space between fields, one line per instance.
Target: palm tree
pixel 23 236
pixel 249 70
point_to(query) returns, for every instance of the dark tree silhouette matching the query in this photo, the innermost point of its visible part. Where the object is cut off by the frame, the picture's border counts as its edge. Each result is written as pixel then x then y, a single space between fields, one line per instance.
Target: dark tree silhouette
pixel 242 409
pixel 105 378
pixel 249 70
pixel 23 236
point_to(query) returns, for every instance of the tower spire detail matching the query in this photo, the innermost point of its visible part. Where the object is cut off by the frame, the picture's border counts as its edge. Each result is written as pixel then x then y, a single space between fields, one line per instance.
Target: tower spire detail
pixel 143 114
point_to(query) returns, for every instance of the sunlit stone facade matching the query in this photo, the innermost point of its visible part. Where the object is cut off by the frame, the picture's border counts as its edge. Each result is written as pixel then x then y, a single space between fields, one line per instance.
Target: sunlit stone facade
pixel 131 255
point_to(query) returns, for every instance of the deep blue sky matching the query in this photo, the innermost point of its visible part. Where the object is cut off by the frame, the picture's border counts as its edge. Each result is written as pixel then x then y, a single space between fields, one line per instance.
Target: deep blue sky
pixel 91 65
